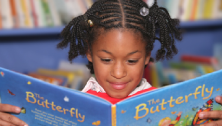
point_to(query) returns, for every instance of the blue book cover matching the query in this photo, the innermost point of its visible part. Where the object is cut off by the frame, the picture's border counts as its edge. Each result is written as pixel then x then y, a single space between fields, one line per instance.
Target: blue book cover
pixel 44 104
pixel 49 105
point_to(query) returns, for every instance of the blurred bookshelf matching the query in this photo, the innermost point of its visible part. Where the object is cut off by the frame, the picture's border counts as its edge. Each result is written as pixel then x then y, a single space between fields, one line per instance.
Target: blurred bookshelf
pixel 31 31
pixel 28 48
pixel 203 24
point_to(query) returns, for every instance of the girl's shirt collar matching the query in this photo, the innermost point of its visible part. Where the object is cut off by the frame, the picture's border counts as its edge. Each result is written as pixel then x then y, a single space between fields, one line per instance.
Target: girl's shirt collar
pixel 92 84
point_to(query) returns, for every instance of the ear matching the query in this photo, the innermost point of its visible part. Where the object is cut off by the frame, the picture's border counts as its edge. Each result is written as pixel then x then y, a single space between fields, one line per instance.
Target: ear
pixel 147 58
pixel 89 56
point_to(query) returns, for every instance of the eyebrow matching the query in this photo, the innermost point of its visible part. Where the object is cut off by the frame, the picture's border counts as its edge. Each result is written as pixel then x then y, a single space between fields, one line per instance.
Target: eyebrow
pixel 127 54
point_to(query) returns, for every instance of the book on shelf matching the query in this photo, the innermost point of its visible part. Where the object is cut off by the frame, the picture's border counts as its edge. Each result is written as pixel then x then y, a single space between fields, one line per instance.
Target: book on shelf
pixel 0 17
pixel 14 14
pixel 26 9
pixel 47 104
pixel 200 7
pixel 54 12
pixel 192 10
pixel 82 72
pixel 203 60
pixel 199 59
pixel 74 78
pixel 217 51
pixel 47 13
pixel 7 21
pixel 194 7
pixel 29 13
pixel 208 9
pixel 56 80
pixel 21 16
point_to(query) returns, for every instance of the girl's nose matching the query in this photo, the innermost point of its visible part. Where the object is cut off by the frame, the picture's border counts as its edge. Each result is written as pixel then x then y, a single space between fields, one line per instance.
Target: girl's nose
pixel 118 71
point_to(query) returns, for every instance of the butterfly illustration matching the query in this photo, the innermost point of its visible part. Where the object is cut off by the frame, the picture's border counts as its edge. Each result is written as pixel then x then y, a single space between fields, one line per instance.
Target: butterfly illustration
pixel 10 92
pixel 123 111
pixel 173 112
pixel 218 89
pixel 208 106
pixel 97 123
pixel 195 108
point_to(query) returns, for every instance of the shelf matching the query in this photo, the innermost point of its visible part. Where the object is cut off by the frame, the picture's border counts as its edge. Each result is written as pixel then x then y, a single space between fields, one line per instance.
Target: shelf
pixel 56 30
pixel 30 31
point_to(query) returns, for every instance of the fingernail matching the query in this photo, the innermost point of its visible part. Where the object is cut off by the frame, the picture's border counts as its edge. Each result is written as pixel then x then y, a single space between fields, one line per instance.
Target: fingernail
pixel 26 125
pixel 201 115
pixel 218 98
pixel 17 109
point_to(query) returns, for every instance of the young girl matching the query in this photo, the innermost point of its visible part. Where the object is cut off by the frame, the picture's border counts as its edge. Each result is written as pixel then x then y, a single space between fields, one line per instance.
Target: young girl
pixel 117 36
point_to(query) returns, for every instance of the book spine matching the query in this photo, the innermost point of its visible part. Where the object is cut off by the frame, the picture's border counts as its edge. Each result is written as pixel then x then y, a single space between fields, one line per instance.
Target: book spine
pixel 27 14
pixel 219 13
pixel 154 75
pixel 55 16
pixel 6 14
pixel 208 9
pixel 183 65
pixel 199 59
pixel 216 8
pixel 14 14
pixel 20 13
pixel 194 10
pixel 0 17
pixel 113 112
pixel 185 10
pixel 46 10
pixel 39 13
pixel 200 6
pixel 34 15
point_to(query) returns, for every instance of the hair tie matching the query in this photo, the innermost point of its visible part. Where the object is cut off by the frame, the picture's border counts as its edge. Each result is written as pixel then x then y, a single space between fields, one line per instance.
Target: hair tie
pixel 89 22
pixel 144 11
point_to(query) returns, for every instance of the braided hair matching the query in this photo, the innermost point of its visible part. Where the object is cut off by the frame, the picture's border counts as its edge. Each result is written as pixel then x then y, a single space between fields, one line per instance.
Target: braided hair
pixel 154 23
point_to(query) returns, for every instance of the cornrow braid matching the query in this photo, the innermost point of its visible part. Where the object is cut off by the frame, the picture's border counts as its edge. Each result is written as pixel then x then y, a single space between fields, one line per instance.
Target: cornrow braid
pixel 126 14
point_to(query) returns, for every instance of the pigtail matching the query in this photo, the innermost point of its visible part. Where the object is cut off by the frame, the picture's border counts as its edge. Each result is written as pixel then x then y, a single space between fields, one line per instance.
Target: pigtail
pixel 75 34
pixel 162 23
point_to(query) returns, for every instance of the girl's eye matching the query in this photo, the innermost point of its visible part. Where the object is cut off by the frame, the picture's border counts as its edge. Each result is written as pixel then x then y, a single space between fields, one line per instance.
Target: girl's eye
pixel 132 61
pixel 106 60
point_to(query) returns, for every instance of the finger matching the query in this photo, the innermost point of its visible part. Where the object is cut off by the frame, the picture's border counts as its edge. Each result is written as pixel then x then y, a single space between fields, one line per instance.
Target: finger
pixel 214 123
pixel 3 123
pixel 9 108
pixel 216 114
pixel 8 118
pixel 219 99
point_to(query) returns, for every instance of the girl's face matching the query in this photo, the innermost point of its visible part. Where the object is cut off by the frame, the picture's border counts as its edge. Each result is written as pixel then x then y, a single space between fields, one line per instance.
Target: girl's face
pixel 118 58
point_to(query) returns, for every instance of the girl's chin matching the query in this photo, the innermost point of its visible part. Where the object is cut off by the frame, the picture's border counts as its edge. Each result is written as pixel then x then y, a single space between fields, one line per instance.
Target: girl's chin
pixel 118 95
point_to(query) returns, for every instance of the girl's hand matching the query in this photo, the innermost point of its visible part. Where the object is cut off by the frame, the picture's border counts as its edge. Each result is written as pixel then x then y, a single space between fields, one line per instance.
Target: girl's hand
pixel 7 119
pixel 213 115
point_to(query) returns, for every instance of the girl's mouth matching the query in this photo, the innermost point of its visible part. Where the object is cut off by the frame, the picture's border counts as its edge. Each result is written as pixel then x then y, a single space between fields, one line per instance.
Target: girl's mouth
pixel 118 85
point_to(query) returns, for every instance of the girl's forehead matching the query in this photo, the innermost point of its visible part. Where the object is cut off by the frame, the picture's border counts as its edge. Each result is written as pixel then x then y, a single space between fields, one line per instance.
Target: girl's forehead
pixel 119 39
pixel 118 33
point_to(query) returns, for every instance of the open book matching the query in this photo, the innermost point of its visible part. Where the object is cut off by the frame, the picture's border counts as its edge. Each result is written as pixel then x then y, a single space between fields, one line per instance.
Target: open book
pixel 45 104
